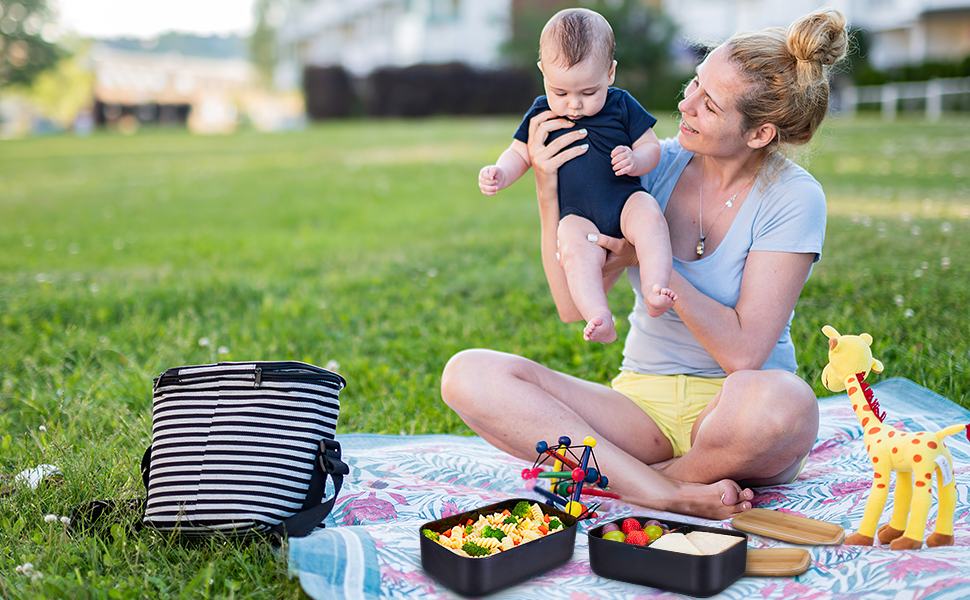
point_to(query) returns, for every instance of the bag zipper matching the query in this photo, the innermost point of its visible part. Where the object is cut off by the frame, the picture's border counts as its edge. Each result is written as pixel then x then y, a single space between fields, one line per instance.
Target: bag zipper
pixel 265 371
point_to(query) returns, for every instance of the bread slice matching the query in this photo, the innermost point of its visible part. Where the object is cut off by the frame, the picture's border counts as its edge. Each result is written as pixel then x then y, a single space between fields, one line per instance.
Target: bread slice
pixel 712 543
pixel 675 542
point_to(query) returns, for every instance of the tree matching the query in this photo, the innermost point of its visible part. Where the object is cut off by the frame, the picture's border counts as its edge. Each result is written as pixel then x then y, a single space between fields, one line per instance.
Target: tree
pixel 644 37
pixel 262 42
pixel 25 50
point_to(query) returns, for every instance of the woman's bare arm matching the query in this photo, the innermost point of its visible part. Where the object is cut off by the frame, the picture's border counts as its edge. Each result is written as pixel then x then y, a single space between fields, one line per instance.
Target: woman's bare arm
pixel 743 337
pixel 546 160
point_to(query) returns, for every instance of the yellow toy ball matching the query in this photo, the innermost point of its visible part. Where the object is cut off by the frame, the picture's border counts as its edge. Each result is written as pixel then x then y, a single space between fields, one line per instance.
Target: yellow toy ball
pixel 590 441
pixel 574 508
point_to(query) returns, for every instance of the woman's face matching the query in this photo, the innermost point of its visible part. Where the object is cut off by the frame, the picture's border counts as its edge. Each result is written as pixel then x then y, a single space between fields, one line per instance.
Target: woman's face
pixel 710 122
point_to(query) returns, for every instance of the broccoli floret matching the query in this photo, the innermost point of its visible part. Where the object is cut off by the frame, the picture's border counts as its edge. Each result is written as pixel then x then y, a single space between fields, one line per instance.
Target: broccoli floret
pixel 522 509
pixel 431 535
pixel 554 524
pixel 469 529
pixel 511 520
pixel 472 549
pixel 490 531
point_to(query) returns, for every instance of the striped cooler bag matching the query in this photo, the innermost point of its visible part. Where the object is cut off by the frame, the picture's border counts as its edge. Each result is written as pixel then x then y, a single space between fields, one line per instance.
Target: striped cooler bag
pixel 243 449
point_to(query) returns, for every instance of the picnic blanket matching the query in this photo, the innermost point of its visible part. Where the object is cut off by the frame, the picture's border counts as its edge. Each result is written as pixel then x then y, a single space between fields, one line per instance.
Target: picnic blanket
pixel 370 548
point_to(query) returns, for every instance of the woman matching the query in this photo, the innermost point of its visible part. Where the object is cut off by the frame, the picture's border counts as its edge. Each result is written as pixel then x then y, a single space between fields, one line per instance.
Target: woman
pixel 707 395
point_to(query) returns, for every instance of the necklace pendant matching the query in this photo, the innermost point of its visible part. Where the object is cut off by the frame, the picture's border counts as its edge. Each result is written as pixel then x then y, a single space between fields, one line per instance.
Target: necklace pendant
pixel 700 247
pixel 729 203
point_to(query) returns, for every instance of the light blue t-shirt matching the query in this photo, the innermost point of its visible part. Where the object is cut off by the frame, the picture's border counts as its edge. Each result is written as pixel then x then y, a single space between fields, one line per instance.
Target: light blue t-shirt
pixel 787 214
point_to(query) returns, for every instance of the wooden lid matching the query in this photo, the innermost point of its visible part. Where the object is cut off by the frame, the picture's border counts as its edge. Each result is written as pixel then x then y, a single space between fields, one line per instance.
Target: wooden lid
pixel 777 562
pixel 788 527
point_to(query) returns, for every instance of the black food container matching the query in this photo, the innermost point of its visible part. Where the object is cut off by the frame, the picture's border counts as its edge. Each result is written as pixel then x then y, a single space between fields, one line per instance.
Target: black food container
pixel 481 576
pixel 694 575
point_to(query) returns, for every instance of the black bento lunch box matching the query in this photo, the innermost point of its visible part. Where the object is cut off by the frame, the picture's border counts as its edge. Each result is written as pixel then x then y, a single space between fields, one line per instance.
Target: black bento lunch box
pixel 480 576
pixel 691 574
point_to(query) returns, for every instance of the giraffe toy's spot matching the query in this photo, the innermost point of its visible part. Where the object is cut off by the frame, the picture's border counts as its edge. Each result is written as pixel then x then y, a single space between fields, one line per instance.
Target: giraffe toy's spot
pixel 877 475
pixel 917 441
pixel 865 421
pixel 917 458
pixel 855 407
pixel 874 430
pixel 892 433
pixel 895 449
pixel 881 486
pixel 875 459
pixel 932 445
pixel 920 484
pixel 852 390
pixel 929 476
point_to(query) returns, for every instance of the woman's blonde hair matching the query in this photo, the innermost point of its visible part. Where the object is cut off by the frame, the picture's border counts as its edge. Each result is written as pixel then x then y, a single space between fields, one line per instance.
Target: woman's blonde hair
pixel 788 71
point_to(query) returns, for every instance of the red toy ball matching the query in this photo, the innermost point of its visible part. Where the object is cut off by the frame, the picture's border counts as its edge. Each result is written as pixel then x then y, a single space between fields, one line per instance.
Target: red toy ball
pixel 578 474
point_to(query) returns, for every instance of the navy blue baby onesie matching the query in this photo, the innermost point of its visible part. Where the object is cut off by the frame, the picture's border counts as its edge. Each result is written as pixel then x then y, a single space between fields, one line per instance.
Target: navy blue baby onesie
pixel 588 186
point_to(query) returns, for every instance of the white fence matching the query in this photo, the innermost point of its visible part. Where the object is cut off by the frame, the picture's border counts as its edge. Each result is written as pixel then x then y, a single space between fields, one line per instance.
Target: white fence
pixel 889 95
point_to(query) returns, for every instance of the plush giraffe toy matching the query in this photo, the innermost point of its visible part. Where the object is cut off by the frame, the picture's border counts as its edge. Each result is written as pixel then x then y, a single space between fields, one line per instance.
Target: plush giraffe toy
pixel 914 456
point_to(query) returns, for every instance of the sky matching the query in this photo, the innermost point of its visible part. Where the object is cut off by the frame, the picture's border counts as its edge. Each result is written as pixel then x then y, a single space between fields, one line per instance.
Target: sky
pixel 149 18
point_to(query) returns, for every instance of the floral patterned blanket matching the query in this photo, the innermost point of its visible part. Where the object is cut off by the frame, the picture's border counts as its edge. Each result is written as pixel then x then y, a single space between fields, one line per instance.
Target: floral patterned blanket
pixel 370 549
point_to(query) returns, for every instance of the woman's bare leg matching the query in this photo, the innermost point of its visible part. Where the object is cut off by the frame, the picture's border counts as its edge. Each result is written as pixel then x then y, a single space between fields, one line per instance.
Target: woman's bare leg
pixel 756 430
pixel 513 403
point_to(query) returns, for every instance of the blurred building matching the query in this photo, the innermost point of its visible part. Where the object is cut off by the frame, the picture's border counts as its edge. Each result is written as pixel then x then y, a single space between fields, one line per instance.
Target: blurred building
pixel 132 88
pixel 362 35
pixel 901 32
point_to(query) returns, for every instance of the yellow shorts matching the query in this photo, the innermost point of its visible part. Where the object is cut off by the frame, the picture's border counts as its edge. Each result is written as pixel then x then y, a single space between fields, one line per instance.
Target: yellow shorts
pixel 673 401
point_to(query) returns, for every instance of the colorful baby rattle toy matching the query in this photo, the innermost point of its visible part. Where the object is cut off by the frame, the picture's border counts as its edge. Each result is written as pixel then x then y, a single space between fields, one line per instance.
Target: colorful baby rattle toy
pixel 914 456
pixel 566 486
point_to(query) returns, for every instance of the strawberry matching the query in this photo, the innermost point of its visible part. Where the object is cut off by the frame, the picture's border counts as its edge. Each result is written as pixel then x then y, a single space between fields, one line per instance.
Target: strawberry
pixel 631 525
pixel 637 538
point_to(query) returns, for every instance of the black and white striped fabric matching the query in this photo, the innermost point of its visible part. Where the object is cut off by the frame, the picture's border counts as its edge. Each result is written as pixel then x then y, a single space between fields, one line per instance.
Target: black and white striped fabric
pixel 242 448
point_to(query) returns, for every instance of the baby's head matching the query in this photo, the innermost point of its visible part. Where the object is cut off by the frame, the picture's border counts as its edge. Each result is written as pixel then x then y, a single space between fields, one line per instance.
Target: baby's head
pixel 576 60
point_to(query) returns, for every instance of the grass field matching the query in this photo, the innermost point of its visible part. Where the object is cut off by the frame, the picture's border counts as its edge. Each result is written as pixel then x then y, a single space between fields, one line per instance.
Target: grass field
pixel 366 244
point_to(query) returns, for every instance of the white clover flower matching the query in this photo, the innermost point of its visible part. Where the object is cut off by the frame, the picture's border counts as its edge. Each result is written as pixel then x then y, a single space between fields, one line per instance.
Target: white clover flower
pixel 66 520
pixel 899 300
pixel 50 518
pixel 908 313
pixel 223 350
pixel 945 263
pixel 204 341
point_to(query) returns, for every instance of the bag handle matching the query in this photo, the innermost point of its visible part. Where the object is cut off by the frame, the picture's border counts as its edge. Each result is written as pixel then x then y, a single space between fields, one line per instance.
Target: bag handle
pixel 315 510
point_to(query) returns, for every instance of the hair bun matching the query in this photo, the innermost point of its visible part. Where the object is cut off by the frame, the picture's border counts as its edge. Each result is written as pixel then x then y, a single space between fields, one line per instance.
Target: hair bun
pixel 819 37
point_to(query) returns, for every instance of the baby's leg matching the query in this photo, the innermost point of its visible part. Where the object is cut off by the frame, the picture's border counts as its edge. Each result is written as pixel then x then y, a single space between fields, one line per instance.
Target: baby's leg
pixel 644 226
pixel 583 263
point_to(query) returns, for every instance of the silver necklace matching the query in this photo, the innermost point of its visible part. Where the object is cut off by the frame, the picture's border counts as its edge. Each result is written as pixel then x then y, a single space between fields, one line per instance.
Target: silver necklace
pixel 700 208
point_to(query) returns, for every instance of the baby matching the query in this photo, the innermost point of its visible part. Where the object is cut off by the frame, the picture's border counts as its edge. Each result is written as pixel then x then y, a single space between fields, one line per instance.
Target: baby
pixel 599 191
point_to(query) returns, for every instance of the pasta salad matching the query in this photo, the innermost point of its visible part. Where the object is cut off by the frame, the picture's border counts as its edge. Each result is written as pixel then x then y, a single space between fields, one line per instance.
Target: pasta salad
pixel 497 532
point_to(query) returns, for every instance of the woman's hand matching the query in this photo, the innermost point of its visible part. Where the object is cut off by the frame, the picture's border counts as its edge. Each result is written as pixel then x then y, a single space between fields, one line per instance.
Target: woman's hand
pixel 546 159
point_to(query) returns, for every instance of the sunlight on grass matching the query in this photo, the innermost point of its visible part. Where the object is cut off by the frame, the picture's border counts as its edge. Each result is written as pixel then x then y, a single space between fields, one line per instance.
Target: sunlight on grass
pixel 368 244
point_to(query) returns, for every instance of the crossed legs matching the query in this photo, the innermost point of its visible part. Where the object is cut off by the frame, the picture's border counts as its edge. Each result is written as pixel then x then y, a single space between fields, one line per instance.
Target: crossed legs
pixel 513 402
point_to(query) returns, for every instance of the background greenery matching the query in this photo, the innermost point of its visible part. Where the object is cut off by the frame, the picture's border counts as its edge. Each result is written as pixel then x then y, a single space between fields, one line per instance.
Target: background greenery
pixel 367 244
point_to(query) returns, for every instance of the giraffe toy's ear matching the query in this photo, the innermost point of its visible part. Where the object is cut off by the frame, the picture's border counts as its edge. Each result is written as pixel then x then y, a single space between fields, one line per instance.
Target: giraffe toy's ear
pixel 830 332
pixel 877 366
pixel 866 338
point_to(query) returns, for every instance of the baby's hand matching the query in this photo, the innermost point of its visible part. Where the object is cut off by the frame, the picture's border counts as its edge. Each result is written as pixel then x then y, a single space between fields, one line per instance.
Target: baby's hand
pixel 624 160
pixel 491 179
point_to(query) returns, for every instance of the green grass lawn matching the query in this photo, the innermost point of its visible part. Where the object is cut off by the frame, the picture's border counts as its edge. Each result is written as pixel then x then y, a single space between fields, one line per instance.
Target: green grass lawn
pixel 367 244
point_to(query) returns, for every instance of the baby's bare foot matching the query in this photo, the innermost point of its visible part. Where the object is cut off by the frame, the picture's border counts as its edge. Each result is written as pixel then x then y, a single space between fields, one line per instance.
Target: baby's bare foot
pixel 600 329
pixel 659 300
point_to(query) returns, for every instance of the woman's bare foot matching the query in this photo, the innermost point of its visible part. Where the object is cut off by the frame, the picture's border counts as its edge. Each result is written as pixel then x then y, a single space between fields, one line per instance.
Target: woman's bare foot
pixel 719 500
pixel 600 329
pixel 659 300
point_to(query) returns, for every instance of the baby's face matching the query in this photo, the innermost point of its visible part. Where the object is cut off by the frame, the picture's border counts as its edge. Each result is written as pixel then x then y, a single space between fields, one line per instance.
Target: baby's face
pixel 579 91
